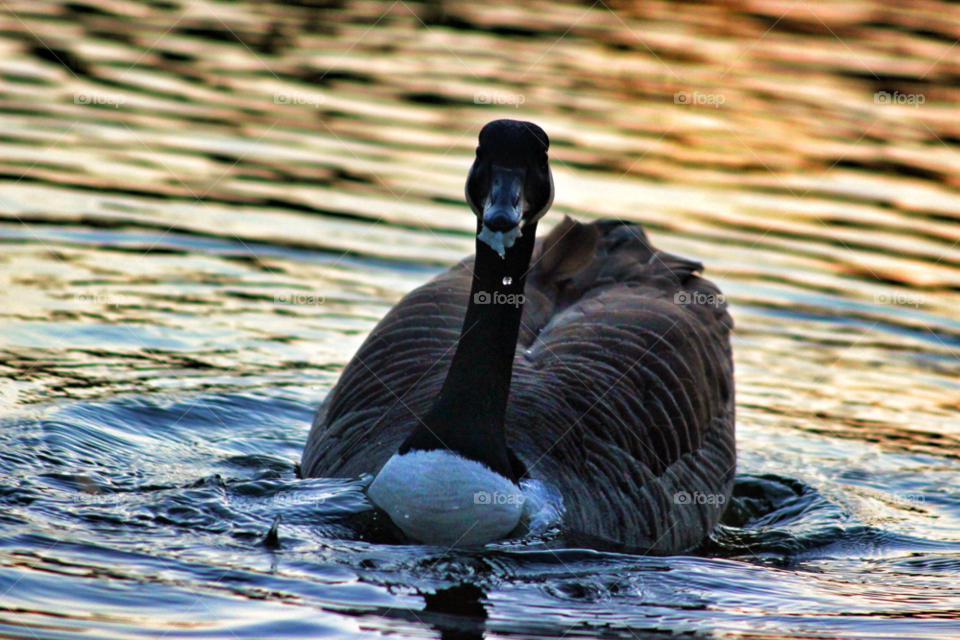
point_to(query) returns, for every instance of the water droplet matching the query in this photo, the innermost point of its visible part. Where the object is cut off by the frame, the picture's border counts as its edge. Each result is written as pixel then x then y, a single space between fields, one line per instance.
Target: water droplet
pixel 508 281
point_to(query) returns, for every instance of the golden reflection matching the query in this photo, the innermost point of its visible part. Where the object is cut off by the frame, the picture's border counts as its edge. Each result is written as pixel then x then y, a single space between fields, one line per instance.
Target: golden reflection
pixel 187 164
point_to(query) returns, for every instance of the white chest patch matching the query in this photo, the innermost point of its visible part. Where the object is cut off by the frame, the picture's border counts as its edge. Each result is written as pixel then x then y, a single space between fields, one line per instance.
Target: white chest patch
pixel 439 497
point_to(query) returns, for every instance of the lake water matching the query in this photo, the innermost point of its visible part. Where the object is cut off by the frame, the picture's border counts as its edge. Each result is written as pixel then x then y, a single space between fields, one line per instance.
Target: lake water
pixel 205 207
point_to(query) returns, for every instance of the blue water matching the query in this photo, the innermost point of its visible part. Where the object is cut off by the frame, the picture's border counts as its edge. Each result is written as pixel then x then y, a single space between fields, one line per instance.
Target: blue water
pixel 148 514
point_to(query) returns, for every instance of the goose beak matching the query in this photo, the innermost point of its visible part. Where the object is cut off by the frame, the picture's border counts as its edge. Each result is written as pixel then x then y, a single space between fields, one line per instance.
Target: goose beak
pixel 503 209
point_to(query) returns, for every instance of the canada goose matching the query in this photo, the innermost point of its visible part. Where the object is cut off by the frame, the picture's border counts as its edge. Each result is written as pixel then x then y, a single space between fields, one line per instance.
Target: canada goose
pixel 588 360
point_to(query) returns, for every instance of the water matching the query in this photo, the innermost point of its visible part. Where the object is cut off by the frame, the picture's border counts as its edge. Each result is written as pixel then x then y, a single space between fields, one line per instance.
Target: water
pixel 205 211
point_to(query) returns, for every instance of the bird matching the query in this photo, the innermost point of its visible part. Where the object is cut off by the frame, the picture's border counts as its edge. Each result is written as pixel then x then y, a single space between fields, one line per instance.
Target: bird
pixel 588 360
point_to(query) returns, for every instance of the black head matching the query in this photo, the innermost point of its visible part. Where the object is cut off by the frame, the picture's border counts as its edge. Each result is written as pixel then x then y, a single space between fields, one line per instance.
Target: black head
pixel 510 181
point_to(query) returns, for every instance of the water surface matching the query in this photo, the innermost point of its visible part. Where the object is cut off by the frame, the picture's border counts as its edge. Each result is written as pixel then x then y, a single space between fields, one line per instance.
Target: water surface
pixel 204 209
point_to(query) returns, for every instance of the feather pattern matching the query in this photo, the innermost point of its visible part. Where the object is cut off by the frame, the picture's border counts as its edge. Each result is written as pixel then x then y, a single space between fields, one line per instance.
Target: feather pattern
pixel 622 392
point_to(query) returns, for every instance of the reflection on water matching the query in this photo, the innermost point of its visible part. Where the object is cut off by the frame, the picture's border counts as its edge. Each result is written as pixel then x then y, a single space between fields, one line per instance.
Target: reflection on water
pixel 205 207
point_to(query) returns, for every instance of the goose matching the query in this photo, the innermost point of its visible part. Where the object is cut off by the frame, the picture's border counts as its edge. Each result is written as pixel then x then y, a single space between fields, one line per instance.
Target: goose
pixel 587 360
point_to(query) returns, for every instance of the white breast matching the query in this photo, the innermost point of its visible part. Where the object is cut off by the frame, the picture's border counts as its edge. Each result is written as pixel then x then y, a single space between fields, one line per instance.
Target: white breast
pixel 439 497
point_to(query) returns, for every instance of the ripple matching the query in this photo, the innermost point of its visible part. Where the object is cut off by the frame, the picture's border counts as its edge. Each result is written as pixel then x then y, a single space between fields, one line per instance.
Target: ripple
pixel 188 263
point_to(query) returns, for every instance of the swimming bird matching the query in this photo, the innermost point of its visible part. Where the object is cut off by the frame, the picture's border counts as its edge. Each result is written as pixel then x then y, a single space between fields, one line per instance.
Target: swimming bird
pixel 588 360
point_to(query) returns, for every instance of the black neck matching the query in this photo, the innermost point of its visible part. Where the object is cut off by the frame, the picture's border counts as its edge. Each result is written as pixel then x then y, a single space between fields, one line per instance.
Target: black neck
pixel 468 414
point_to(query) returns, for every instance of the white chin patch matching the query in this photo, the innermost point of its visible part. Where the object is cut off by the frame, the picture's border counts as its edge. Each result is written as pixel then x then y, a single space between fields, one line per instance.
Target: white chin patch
pixel 497 240
pixel 439 497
